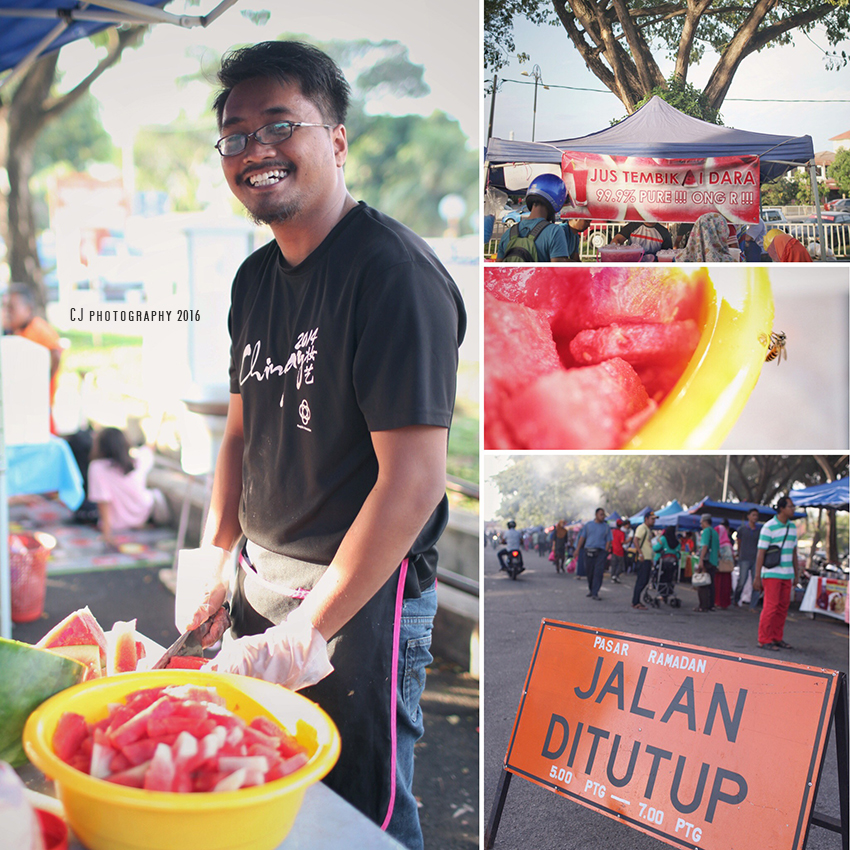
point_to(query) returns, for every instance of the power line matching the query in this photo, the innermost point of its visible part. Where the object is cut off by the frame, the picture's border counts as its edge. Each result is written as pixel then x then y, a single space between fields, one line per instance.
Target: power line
pixel 742 99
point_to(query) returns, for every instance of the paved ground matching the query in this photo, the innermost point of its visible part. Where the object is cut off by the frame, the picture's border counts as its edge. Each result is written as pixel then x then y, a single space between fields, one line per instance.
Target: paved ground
pixel 447 764
pixel 535 818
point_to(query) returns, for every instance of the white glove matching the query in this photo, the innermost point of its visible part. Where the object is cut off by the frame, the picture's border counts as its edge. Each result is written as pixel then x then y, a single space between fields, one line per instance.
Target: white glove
pixel 293 654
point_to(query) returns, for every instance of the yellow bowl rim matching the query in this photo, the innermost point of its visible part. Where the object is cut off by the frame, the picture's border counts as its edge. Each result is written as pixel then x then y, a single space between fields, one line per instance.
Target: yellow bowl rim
pixel 75 781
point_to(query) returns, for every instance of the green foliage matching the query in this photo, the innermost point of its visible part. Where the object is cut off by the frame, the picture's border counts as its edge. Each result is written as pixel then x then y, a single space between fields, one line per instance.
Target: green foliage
pixel 802 187
pixel 686 98
pixel 405 165
pixel 76 137
pixel 540 490
pixel 779 193
pixel 839 171
pixel 172 159
pixel 499 17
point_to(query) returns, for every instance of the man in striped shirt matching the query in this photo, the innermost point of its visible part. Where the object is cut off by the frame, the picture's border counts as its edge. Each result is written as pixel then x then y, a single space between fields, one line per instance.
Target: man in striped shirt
pixel 777 580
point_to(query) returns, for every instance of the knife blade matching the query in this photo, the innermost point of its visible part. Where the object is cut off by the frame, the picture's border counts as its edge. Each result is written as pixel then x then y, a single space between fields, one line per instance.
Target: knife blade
pixel 189 643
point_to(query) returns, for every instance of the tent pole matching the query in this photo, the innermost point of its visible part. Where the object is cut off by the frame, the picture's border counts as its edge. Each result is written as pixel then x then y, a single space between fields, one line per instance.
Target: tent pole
pixel 816 196
pixel 5 576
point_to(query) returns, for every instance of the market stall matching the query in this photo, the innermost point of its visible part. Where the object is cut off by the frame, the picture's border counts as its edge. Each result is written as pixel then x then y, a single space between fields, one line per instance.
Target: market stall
pixel 682 165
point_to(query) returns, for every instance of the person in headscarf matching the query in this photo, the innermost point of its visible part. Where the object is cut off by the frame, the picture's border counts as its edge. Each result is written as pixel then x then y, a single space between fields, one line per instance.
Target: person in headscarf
pixel 783 248
pixel 559 545
pixel 708 241
pixel 751 242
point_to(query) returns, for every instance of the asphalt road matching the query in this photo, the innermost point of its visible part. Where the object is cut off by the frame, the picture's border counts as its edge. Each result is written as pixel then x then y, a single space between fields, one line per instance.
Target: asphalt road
pixel 446 780
pixel 536 818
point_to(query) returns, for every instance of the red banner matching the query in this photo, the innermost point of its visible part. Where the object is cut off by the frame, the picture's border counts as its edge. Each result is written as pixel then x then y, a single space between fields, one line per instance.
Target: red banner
pixel 633 188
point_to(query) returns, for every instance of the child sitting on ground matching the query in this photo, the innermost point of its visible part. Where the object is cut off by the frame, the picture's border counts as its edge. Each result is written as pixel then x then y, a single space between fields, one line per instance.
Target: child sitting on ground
pixel 118 484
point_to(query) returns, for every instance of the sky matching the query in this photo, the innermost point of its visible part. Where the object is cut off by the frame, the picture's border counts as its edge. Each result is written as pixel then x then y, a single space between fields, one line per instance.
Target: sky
pixel 142 89
pixel 792 72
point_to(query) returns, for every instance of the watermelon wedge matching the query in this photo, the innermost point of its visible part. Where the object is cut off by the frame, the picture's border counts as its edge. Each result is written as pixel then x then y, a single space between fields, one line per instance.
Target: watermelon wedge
pixel 28 676
pixel 122 653
pixel 87 654
pixel 77 629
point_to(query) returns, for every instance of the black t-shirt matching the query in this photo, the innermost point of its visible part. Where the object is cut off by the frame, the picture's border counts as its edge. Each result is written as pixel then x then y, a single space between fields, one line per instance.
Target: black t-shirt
pixel 362 336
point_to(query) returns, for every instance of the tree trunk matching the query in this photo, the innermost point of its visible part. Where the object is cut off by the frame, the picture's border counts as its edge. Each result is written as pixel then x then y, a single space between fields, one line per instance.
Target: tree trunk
pixel 25 120
pixel 30 108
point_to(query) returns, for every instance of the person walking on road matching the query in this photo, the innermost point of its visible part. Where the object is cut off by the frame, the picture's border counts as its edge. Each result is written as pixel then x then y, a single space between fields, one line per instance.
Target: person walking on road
pixel 777 570
pixel 746 540
pixel 559 545
pixel 595 538
pixel 709 555
pixel 618 555
pixel 643 544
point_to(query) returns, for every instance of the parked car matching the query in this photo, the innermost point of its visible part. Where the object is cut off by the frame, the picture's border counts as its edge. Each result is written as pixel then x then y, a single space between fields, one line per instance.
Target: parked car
pixel 841 205
pixel 773 217
pixel 513 216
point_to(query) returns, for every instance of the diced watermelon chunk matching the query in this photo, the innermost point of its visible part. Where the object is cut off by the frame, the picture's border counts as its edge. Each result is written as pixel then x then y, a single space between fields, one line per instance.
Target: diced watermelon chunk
pixel 185 662
pixel 71 731
pixel 581 408
pixel 518 348
pixel 160 775
pixel 638 344
pixel 137 727
pixel 133 777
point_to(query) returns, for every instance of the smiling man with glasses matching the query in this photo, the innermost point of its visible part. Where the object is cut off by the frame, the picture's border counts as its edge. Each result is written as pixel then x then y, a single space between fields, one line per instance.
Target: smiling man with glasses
pixel 345 331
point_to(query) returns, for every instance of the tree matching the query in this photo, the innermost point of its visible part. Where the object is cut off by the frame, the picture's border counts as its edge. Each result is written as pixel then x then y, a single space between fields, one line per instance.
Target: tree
pixel 839 171
pixel 539 490
pixel 619 40
pixel 779 193
pixel 686 98
pixel 33 105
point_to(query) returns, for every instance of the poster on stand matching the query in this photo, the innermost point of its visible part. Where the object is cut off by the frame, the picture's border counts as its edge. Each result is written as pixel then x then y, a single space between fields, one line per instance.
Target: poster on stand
pixel 826 595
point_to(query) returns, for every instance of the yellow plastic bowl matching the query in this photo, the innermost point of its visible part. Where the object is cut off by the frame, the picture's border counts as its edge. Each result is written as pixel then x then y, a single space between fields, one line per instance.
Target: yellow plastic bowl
pixel 701 409
pixel 106 816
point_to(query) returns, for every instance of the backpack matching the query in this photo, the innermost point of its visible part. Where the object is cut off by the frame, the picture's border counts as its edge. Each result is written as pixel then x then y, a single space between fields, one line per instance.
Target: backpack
pixel 521 249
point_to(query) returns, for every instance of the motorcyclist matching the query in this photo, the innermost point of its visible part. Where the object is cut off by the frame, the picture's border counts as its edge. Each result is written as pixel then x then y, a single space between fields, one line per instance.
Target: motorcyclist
pixel 512 540
pixel 545 196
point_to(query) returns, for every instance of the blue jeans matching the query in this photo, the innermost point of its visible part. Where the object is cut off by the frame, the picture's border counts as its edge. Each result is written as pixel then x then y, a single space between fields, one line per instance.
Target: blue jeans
pixel 417 620
pixel 745 567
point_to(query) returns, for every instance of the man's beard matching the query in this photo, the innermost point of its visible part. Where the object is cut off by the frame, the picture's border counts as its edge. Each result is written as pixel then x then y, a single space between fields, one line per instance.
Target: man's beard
pixel 279 215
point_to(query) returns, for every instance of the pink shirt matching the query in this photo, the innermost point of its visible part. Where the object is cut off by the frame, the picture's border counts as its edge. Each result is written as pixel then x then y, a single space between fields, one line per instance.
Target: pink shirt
pixel 130 502
pixel 723 534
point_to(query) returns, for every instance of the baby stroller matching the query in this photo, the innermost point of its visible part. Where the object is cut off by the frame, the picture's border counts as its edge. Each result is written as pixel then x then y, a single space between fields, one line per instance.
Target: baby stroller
pixel 662 582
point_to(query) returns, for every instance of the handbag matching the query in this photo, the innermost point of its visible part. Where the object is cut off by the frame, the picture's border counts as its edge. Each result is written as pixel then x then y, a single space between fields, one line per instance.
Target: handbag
pixel 725 565
pixel 701 579
pixel 773 554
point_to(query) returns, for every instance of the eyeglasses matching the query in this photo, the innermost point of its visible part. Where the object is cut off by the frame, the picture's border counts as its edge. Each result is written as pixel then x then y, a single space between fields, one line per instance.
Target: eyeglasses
pixel 271 134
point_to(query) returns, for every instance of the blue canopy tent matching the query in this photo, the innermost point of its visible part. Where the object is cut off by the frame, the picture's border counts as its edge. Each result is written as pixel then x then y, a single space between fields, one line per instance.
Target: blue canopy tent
pixel 735 510
pixel 833 494
pixel 31 28
pixel 657 129
pixel 28 30
pixel 638 518
pixel 673 508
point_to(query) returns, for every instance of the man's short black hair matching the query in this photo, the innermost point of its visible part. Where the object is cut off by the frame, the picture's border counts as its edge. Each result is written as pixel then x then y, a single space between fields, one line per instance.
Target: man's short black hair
pixel 317 75
pixel 781 502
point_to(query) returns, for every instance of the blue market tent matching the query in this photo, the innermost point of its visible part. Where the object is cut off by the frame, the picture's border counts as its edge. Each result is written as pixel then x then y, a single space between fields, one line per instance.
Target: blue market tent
pixel 673 508
pixel 655 130
pixel 638 518
pixel 735 510
pixel 833 494
pixel 31 28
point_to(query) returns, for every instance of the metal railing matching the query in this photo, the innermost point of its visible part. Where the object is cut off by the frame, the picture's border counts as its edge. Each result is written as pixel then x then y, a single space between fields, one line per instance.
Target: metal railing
pixel 837 237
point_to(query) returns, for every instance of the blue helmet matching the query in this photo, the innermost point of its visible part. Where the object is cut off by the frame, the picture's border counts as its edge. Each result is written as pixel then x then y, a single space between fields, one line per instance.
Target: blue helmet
pixel 549 188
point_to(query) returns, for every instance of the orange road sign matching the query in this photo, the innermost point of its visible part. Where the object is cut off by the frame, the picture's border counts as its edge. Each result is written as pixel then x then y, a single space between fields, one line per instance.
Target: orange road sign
pixel 698 747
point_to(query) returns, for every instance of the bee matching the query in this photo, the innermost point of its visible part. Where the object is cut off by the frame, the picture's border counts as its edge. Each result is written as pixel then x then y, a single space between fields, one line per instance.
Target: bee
pixel 777 350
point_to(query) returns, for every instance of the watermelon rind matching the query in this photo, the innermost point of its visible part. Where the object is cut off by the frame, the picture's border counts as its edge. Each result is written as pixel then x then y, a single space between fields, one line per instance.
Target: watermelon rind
pixel 28 676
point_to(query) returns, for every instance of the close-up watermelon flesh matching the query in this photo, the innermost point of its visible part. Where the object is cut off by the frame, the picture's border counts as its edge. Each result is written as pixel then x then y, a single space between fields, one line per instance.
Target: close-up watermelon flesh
pixel 548 333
